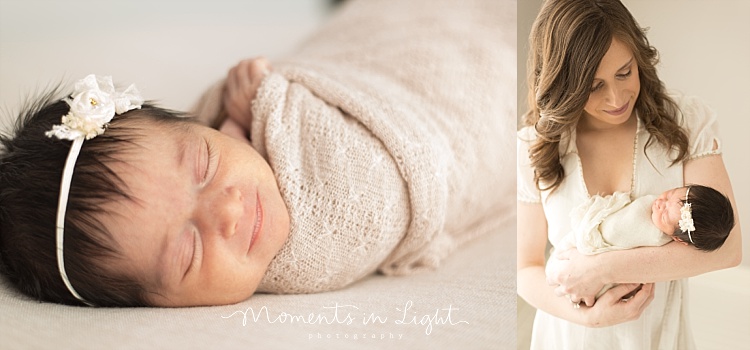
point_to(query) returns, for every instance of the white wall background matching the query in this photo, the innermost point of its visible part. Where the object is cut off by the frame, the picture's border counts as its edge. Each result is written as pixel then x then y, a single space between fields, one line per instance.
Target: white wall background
pixel 705 51
pixel 172 50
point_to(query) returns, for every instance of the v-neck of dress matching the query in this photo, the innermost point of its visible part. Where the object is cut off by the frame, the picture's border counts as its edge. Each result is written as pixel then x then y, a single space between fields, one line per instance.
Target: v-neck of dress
pixel 573 148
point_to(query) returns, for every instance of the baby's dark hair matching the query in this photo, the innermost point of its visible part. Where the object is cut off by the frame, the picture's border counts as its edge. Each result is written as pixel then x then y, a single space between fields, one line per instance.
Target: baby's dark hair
pixel 713 218
pixel 31 166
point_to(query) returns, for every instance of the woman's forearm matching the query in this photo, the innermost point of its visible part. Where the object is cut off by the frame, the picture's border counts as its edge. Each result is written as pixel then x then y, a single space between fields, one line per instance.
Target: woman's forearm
pixel 669 262
pixel 531 244
pixel 583 274
pixel 533 288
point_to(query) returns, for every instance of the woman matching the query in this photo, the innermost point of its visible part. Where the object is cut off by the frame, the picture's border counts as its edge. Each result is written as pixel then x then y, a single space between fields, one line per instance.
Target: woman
pixel 600 122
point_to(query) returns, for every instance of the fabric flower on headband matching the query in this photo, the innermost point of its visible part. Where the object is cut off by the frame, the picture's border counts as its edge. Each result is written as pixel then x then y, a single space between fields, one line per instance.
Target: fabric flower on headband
pixel 686 218
pixel 94 102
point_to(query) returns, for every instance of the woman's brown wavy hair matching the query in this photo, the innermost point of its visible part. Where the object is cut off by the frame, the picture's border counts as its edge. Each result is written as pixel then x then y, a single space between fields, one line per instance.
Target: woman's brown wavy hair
pixel 567 43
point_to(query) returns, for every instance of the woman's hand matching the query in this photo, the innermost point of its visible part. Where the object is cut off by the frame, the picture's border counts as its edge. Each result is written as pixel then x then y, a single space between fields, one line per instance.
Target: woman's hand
pixel 575 275
pixel 610 309
pixel 240 88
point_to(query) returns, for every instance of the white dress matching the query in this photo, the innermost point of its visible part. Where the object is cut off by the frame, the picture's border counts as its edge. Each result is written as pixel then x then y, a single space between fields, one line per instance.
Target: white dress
pixel 664 324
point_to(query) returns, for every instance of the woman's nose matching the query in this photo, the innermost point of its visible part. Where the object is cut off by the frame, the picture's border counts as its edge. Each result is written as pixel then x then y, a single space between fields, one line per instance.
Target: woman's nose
pixel 613 96
pixel 220 211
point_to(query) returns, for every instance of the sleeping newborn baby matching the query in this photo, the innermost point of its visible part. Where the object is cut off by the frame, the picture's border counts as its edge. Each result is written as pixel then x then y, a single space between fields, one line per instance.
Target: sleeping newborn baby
pixel 694 215
pixel 343 160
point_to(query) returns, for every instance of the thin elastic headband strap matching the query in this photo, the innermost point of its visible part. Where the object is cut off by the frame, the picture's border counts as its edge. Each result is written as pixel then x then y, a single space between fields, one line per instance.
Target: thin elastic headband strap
pixel 93 104
pixel 62 205
pixel 686 201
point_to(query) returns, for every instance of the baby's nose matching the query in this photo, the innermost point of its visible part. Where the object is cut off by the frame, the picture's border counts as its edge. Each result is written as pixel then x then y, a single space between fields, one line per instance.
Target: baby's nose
pixel 660 203
pixel 222 212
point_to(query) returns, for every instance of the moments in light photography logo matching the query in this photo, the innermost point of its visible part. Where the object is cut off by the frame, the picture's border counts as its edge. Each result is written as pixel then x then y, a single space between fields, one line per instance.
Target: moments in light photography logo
pixel 343 315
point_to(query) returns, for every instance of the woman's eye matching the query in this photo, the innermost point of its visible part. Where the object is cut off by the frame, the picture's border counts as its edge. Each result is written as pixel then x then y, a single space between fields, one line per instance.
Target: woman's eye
pixel 596 88
pixel 625 75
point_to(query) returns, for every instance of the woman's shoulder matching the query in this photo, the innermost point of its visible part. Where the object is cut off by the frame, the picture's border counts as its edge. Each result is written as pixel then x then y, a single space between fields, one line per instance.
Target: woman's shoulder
pixel 525 137
pixel 694 111
pixel 526 134
pixel 700 122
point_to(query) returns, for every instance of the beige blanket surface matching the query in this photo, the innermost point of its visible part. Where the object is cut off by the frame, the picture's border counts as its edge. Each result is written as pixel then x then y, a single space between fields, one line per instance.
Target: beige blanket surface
pixel 391 134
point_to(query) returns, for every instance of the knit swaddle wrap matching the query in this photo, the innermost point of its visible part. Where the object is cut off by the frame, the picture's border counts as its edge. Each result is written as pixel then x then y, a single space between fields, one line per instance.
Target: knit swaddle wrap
pixel 391 134
pixel 348 203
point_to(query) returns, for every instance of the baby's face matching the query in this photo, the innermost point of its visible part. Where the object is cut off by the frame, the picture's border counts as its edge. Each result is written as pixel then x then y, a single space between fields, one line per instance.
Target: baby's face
pixel 206 220
pixel 665 212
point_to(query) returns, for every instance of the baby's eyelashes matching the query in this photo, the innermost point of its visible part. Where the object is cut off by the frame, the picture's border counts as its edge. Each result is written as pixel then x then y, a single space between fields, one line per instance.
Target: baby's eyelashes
pixel 211 163
pixel 205 156
pixel 193 255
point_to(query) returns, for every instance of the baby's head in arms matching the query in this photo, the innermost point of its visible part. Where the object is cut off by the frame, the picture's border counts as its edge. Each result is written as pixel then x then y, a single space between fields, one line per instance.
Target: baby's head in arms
pixel 161 210
pixel 694 214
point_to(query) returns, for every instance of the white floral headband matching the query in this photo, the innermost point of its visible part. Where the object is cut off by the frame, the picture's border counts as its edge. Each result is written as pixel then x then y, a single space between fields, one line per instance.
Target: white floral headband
pixel 686 217
pixel 93 104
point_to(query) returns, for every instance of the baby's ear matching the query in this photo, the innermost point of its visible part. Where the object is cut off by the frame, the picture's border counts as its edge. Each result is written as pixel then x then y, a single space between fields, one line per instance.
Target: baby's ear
pixel 677 239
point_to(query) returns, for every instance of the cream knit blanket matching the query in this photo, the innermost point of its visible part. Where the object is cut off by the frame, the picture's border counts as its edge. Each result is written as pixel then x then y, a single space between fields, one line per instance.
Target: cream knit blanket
pixel 391 133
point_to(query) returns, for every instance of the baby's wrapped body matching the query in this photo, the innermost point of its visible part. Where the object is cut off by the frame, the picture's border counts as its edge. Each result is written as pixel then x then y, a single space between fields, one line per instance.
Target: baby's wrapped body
pixel 606 223
pixel 391 135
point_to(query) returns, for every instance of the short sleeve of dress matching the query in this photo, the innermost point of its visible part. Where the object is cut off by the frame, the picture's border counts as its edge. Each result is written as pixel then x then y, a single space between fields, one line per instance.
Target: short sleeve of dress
pixel 702 127
pixel 526 188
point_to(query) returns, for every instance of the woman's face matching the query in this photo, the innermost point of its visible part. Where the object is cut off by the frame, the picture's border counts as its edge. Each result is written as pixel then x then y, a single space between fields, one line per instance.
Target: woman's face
pixel 615 88
pixel 206 220
pixel 665 211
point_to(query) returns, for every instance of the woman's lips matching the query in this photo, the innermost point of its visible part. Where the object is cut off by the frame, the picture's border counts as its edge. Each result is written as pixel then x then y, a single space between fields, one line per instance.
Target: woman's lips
pixel 258 222
pixel 620 110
